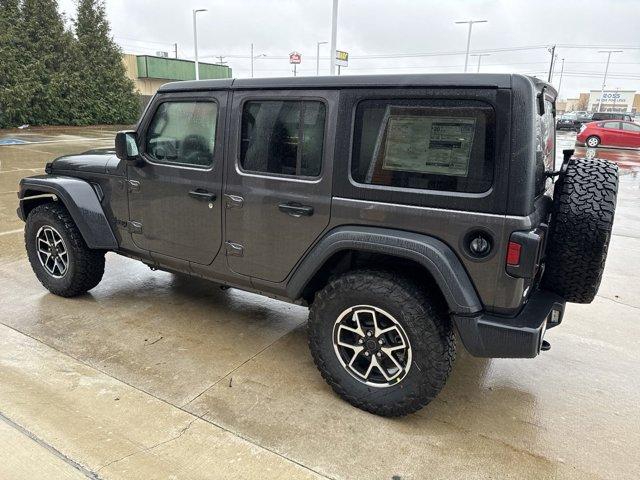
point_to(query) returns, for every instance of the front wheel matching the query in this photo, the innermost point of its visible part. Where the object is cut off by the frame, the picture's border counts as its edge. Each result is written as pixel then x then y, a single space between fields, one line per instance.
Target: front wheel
pixel 381 342
pixel 58 254
pixel 593 141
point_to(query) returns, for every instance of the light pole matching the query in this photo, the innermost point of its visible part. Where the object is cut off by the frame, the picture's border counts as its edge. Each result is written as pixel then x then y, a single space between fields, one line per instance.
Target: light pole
pixel 480 55
pixel 561 73
pixel 195 38
pixel 318 56
pixel 334 38
pixel 606 71
pixel 253 57
pixel 470 22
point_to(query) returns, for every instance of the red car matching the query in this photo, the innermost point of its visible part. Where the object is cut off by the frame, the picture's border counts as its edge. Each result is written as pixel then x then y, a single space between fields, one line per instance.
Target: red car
pixel 610 133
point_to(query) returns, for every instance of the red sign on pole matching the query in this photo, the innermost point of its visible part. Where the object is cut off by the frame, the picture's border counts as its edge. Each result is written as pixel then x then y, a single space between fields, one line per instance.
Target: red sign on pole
pixel 295 58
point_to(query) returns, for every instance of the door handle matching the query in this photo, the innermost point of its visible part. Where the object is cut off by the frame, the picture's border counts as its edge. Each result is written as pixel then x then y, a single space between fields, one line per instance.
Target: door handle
pixel 296 209
pixel 201 194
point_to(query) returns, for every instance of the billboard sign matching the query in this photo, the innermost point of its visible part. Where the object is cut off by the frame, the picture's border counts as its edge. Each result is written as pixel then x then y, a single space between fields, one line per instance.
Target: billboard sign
pixel 618 100
pixel 342 58
pixel 295 58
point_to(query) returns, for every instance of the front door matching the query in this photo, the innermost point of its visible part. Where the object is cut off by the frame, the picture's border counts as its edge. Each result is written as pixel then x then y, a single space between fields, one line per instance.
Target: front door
pixel 278 187
pixel 175 189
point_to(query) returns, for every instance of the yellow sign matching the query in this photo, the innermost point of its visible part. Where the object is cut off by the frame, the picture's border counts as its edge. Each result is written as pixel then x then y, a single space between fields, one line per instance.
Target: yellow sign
pixel 342 58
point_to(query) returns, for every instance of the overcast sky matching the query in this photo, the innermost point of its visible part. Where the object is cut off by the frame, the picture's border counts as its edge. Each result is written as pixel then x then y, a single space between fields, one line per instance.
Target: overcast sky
pixel 384 29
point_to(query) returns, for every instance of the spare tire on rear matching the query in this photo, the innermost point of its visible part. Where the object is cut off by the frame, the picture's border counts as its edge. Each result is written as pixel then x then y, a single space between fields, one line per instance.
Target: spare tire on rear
pixel 582 218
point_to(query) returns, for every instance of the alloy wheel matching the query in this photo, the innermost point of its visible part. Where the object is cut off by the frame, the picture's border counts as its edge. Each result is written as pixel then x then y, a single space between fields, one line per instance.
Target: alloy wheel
pixel 52 252
pixel 372 346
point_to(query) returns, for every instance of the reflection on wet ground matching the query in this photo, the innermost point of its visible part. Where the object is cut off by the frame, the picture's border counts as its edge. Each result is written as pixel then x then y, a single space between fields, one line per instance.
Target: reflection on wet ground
pixel 168 376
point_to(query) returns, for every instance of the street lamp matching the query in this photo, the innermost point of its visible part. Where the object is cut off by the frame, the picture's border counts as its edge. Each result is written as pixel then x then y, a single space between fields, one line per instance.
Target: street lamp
pixel 318 56
pixel 470 22
pixel 606 70
pixel 334 38
pixel 195 38
pixel 254 57
pixel 480 55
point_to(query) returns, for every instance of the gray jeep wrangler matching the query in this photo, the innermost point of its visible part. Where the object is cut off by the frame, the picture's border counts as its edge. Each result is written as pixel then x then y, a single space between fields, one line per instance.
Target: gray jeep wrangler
pixel 398 208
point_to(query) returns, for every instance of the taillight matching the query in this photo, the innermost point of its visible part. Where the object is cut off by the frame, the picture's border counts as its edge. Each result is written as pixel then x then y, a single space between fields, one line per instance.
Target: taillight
pixel 513 254
pixel 582 128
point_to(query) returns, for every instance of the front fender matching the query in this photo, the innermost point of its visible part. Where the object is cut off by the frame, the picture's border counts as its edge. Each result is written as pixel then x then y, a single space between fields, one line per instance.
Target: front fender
pixel 80 200
pixel 434 255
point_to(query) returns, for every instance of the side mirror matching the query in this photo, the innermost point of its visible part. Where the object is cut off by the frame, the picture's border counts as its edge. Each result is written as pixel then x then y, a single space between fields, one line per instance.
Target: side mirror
pixel 127 145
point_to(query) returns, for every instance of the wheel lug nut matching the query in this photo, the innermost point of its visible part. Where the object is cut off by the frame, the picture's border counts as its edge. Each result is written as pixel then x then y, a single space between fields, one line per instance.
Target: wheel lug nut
pixel 380 342
pixel 369 333
pixel 378 354
pixel 360 341
pixel 366 354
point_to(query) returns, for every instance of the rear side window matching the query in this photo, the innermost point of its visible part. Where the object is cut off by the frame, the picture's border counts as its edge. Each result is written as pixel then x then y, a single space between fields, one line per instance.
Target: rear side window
pixel 614 125
pixel 545 146
pixel 283 137
pixel 183 133
pixel 423 144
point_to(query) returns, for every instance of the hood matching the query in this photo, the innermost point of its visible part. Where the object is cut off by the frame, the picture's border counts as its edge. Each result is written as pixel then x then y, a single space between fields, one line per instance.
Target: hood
pixel 100 160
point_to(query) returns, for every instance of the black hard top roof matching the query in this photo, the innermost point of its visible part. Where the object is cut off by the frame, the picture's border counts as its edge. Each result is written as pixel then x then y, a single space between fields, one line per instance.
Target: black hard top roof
pixel 459 80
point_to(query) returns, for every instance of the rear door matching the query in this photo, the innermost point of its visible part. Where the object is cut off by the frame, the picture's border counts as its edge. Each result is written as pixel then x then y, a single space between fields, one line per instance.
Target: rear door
pixel 278 186
pixel 611 133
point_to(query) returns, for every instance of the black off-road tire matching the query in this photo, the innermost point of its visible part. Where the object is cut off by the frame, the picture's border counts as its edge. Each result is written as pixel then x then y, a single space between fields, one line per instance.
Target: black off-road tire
pixel 425 320
pixel 582 219
pixel 85 266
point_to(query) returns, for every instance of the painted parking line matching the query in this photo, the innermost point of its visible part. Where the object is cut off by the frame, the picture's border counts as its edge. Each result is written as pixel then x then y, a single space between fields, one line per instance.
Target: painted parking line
pixel 11 232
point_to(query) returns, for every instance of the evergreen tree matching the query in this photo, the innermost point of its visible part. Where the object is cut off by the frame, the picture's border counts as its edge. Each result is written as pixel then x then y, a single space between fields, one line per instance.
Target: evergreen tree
pixel 13 93
pixel 46 53
pixel 104 92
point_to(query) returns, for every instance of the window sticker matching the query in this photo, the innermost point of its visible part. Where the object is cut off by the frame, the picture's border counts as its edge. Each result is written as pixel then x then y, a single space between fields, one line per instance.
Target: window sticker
pixel 410 141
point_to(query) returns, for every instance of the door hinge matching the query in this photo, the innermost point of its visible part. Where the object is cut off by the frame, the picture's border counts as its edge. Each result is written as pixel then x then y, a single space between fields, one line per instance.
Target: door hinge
pixel 134 185
pixel 233 201
pixel 234 249
pixel 134 227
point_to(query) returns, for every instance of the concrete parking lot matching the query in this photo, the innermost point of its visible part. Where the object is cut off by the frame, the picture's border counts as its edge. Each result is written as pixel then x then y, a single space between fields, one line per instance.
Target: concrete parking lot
pixel 155 375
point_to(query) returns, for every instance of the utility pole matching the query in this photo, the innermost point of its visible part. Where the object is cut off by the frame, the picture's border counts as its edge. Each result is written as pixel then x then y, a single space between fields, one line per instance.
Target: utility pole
pixel 195 39
pixel 561 72
pixel 175 50
pixel 318 56
pixel 252 60
pixel 606 71
pixel 334 38
pixel 470 22
pixel 552 50
pixel 480 55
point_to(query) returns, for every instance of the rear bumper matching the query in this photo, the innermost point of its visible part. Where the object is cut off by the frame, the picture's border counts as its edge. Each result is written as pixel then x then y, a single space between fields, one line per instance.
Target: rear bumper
pixel 492 336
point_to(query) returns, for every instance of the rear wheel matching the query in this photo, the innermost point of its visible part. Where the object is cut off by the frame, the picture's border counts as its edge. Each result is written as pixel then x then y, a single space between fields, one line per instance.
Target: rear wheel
pixel 58 254
pixel 593 141
pixel 381 343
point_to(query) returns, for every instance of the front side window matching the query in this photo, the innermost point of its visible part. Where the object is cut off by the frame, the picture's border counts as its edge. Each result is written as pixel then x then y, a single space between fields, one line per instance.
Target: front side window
pixel 630 127
pixel 422 144
pixel 283 137
pixel 183 133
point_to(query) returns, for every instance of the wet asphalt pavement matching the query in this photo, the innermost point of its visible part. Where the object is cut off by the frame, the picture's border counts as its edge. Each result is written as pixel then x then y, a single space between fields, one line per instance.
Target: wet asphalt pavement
pixel 155 375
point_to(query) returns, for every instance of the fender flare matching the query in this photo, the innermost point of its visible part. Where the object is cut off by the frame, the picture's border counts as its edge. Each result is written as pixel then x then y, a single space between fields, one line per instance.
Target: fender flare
pixel 81 201
pixel 433 254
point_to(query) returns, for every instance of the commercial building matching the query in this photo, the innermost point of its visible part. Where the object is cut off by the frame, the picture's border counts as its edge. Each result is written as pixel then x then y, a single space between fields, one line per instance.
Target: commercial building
pixel 150 72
